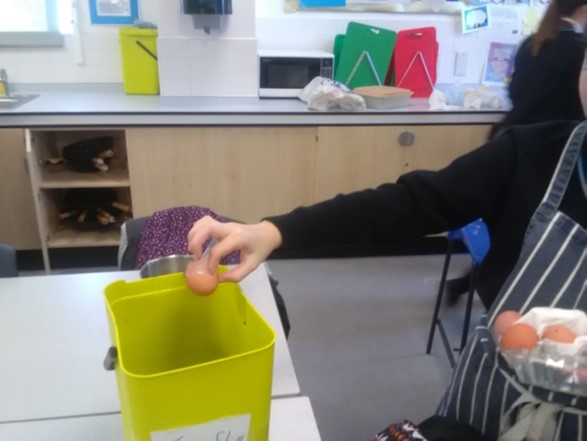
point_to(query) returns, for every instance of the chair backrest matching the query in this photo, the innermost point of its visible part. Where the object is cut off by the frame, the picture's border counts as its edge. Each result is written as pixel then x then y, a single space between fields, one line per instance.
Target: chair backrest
pixel 130 235
pixel 475 236
pixel 8 265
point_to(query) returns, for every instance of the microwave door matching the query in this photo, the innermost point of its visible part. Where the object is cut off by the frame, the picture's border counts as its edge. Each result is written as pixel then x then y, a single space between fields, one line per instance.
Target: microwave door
pixel 285 77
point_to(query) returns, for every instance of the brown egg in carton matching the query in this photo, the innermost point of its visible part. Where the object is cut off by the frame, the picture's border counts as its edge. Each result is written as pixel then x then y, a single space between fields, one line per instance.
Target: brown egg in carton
pixel 546 347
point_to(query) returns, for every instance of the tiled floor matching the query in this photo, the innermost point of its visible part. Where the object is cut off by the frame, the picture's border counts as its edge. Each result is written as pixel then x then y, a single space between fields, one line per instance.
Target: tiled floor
pixel 358 337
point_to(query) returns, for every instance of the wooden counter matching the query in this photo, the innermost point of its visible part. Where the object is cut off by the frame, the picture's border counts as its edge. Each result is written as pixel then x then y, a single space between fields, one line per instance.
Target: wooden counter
pixel 67 108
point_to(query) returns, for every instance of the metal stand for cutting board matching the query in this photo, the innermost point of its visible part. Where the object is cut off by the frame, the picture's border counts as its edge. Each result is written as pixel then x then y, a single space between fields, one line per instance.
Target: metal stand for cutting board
pixel 364 55
pixel 417 55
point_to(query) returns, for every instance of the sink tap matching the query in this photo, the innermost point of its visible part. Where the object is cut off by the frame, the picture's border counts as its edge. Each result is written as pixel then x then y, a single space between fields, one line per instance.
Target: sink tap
pixel 3 83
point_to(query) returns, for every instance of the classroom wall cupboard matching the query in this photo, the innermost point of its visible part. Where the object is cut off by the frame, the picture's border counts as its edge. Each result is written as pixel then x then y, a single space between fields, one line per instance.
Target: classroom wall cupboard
pixel 243 172
pixel 249 172
pixel 240 172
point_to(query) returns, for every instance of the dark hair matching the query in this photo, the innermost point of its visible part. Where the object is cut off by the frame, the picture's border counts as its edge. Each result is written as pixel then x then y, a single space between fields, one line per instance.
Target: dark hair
pixel 551 21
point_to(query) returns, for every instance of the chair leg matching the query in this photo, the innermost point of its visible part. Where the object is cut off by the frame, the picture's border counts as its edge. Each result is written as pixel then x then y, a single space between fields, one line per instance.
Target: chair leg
pixel 439 296
pixel 470 296
pixel 8 264
pixel 447 347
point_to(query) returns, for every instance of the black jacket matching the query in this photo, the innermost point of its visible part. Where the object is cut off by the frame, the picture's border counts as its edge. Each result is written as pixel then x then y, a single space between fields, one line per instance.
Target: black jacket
pixel 502 182
pixel 545 87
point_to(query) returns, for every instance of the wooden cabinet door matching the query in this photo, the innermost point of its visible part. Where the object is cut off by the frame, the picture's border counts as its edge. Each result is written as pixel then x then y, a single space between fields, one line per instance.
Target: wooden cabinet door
pixel 241 172
pixel 353 158
pixel 434 147
pixel 18 224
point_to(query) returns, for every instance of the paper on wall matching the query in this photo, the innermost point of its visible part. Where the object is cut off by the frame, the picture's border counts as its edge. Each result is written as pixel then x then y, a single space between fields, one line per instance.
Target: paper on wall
pixel 475 18
pixel 531 17
pixel 506 21
pixel 499 64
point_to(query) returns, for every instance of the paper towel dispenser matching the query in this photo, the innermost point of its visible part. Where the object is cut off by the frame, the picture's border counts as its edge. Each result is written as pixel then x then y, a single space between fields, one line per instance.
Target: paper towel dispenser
pixel 207 7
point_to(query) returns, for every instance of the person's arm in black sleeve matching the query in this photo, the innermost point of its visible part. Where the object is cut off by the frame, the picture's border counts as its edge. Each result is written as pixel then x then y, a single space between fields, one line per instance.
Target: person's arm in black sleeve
pixel 420 203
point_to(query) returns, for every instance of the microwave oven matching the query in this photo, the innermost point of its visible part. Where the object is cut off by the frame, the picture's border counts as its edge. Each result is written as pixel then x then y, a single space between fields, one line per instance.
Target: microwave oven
pixel 283 74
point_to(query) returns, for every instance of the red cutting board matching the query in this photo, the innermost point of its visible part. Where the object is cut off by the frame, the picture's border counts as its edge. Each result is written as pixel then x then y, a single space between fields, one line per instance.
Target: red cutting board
pixel 408 69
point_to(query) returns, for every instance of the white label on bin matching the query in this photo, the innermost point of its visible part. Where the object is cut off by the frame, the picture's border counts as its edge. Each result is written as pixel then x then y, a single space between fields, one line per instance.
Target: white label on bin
pixel 224 429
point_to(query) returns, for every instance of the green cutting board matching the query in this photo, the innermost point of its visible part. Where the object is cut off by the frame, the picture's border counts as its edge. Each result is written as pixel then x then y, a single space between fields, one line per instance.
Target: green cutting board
pixel 337 50
pixel 359 38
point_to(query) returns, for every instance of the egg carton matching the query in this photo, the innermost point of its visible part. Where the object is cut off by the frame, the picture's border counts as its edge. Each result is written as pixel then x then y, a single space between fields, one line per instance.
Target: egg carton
pixel 551 365
pixel 546 367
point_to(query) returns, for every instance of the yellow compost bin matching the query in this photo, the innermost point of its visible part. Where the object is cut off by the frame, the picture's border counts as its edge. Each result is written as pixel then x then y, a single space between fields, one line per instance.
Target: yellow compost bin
pixel 139 60
pixel 188 365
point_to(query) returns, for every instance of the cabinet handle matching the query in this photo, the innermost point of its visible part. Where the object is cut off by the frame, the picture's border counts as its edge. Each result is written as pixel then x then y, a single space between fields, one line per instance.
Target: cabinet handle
pixel 406 138
pixel 26 166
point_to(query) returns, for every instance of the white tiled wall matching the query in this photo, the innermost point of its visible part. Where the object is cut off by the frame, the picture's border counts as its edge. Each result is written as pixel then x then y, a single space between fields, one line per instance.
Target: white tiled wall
pixel 224 62
pixel 213 67
pixel 221 63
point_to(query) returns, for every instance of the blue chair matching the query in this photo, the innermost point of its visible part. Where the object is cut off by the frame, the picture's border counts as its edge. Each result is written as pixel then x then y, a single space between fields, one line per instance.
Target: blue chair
pixel 475 237
pixel 8 267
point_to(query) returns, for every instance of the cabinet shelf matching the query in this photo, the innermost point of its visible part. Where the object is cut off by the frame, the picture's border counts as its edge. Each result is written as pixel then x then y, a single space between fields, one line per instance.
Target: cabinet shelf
pixel 70 238
pixel 67 233
pixel 61 177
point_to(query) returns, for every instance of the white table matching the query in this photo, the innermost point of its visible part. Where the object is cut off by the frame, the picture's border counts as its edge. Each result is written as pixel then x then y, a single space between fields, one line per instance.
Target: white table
pixel 292 419
pixel 54 337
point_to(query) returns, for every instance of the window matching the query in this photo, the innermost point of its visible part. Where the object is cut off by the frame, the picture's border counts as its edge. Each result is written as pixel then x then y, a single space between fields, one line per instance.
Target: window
pixel 35 22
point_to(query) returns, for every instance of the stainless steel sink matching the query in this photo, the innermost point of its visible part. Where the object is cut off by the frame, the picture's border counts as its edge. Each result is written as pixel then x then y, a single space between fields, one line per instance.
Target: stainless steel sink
pixel 13 101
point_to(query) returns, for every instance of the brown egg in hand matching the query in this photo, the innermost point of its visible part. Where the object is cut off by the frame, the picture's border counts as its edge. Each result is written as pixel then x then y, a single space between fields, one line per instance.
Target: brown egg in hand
pixel 199 280
pixel 202 284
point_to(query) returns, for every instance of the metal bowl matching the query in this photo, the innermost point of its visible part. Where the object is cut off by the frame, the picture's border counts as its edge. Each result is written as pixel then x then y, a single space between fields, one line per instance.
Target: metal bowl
pixel 175 263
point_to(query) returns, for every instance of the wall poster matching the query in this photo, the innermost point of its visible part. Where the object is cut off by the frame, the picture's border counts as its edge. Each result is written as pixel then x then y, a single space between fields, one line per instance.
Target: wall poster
pixel 114 11
pixel 499 64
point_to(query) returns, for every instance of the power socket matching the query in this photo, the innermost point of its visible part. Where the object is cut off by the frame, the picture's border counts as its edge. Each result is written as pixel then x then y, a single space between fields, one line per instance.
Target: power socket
pixel 461 60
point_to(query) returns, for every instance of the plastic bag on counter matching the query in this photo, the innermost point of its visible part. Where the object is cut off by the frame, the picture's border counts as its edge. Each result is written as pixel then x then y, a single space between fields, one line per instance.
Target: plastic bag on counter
pixel 438 100
pixel 326 94
pixel 457 96
pixel 482 98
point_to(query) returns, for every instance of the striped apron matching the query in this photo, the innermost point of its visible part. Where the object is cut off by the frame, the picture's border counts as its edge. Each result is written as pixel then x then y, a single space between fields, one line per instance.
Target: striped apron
pixel 551 271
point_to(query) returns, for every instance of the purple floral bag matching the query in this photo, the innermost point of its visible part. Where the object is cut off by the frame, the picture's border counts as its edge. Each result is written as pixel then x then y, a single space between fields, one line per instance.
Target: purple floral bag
pixel 166 231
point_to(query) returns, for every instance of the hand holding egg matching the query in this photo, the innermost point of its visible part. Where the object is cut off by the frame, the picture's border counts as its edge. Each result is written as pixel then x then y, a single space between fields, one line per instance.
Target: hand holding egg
pixel 254 242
